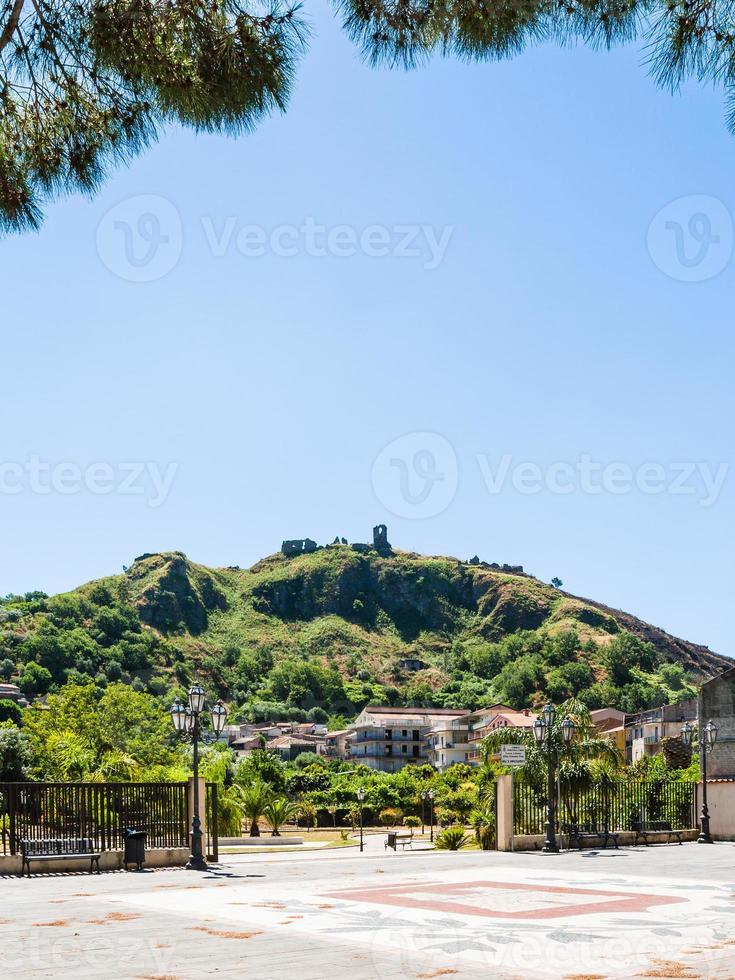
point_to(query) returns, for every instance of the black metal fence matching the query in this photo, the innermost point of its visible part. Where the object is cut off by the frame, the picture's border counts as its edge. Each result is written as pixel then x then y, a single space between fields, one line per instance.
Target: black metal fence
pixel 98 811
pixel 614 806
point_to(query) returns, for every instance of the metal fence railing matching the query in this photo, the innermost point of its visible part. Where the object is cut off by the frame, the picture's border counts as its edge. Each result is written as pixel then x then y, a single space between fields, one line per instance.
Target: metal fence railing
pixel 98 811
pixel 615 807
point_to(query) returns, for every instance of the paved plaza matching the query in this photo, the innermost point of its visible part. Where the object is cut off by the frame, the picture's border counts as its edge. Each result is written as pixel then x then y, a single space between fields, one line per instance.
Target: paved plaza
pixel 665 911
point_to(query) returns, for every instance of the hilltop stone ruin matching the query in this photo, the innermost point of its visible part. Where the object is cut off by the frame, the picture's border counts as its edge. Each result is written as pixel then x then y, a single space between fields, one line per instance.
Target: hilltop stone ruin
pixel 305 546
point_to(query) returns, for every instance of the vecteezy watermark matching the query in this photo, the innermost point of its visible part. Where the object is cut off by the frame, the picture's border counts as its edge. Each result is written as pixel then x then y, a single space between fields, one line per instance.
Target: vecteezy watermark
pixel 37 476
pixel 691 238
pixel 595 477
pixel 416 475
pixel 424 242
pixel 141 239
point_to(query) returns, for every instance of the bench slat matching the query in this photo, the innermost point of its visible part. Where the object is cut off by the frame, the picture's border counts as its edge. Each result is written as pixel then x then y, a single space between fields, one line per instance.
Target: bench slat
pixel 58 849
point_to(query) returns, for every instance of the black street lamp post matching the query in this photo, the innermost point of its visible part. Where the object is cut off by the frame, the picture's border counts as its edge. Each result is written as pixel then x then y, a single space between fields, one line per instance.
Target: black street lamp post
pixel 187 721
pixel 706 744
pixel 423 812
pixel 431 794
pixel 548 739
pixel 361 798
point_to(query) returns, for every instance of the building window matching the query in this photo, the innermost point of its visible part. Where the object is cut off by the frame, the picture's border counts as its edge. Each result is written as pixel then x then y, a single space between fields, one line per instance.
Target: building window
pixel 404 749
pixel 416 734
pixel 404 732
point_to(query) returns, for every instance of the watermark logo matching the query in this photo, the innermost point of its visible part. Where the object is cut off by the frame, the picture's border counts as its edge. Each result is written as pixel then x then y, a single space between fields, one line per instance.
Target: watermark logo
pixel 147 479
pixel 591 477
pixel 140 239
pixel 691 238
pixel 416 475
pixel 426 244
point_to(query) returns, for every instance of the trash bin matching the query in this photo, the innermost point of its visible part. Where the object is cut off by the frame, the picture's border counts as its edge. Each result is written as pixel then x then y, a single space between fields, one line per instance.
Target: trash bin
pixel 134 847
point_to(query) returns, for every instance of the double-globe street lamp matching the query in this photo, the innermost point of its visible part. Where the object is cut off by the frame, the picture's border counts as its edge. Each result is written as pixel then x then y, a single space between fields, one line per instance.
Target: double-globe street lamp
pixel 187 721
pixel 706 744
pixel 547 738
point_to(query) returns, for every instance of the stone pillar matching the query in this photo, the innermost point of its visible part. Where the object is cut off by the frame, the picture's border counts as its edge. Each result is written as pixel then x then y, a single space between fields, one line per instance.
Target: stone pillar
pixel 504 813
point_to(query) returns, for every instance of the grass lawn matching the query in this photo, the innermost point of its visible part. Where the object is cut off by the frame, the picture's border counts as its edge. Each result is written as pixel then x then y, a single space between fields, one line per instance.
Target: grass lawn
pixel 321 839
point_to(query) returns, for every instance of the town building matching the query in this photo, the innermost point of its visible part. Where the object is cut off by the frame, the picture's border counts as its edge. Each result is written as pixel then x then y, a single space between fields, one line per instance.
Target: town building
pixel 11 692
pixel 289 747
pixel 717 702
pixel 447 743
pixel 337 744
pixel 645 730
pixel 412 664
pixel 610 722
pixel 387 738
pixel 455 740
pixel 488 720
pixel 286 738
pixel 242 747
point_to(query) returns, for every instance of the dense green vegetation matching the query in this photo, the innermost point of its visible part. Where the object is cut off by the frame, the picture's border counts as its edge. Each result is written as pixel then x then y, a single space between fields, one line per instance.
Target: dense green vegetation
pixel 318 636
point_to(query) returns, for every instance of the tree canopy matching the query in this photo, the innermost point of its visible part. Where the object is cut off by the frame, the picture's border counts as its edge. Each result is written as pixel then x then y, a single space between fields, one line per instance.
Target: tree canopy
pixel 119 735
pixel 85 84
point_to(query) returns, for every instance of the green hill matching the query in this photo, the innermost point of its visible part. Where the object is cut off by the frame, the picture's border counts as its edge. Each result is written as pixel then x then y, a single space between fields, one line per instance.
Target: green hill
pixel 326 631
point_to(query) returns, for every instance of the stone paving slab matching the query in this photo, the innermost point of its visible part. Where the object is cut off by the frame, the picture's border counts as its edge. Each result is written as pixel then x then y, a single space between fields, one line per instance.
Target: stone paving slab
pixel 380 916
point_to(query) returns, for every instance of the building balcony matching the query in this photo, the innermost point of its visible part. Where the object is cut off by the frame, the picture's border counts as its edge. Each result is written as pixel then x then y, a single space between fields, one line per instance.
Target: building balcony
pixel 382 737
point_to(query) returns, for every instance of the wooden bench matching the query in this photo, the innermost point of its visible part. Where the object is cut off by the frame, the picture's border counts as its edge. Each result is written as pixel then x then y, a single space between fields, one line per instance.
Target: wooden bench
pixel 657 829
pixel 58 849
pixel 579 832
pixel 396 837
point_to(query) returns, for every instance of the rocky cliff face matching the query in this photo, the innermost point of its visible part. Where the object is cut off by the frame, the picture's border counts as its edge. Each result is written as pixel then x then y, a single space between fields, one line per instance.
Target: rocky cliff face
pixel 418 593
pixel 174 593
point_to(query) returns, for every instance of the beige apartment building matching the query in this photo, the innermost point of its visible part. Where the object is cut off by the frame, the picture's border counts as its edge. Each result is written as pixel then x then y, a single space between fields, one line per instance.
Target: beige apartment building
pixel 458 739
pixel 387 739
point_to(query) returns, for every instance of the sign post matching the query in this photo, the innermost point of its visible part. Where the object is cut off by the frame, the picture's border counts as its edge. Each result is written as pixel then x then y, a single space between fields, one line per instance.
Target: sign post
pixel 513 756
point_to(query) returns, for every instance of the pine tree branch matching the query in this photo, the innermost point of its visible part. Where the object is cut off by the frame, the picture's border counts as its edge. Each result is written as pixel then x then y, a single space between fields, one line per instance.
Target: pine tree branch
pixel 12 24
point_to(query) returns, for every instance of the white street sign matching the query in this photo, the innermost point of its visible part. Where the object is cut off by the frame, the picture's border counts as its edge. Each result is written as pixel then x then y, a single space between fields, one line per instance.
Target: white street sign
pixel 513 755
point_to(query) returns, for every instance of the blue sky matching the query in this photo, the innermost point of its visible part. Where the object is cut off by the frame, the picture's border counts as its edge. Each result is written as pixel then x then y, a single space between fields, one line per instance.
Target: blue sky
pixel 560 323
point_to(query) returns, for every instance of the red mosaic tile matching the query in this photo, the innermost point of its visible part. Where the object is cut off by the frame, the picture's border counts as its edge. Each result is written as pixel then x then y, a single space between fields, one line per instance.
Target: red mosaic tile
pixel 409 896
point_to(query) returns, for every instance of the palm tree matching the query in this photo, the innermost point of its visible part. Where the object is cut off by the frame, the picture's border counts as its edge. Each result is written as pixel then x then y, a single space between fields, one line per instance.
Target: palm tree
pixel 229 811
pixel 116 766
pixel 453 839
pixel 278 811
pixel 255 798
pixel 482 821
